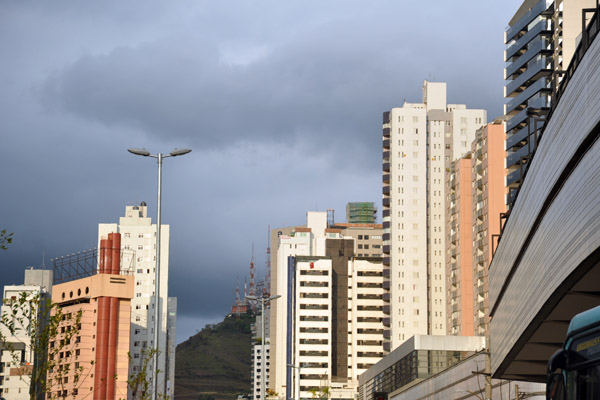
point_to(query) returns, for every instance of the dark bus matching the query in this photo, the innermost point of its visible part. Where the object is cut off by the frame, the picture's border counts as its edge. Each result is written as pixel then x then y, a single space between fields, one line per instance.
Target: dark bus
pixel 574 370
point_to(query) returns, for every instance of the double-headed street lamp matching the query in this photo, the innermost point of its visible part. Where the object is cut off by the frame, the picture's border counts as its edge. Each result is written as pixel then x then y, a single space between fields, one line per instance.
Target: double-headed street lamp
pixel 263 356
pixel 159 157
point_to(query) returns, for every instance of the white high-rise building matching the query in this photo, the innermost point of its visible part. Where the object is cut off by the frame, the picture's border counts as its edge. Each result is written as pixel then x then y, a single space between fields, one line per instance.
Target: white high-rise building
pixel 420 140
pixel 257 372
pixel 138 234
pixel 17 357
pixel 327 328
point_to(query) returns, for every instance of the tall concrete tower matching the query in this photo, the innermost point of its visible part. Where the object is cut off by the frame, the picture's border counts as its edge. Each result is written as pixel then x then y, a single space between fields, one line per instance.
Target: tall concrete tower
pixel 420 140
pixel 138 234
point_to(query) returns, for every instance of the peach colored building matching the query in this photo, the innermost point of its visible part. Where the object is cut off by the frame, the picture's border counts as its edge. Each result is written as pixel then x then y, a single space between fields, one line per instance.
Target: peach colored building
pixel 476 197
pixel 489 200
pixel 459 247
pixel 93 363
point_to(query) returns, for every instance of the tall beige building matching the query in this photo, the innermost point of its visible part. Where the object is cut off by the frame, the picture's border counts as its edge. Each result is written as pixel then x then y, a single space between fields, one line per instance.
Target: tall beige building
pixel 327 328
pixel 420 141
pixel 138 235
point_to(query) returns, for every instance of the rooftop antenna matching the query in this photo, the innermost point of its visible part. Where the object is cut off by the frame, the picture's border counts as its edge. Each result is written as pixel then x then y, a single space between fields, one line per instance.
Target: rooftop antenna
pixel 237 293
pixel 252 292
pixel 330 217
pixel 268 264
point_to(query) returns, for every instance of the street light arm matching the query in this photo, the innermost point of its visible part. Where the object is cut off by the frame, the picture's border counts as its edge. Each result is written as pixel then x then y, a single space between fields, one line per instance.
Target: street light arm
pixel 179 152
pixel 139 152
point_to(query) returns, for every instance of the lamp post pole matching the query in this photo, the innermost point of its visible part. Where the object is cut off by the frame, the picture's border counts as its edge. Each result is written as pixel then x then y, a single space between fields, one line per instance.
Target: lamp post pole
pixel 156 336
pixel 297 384
pixel 263 378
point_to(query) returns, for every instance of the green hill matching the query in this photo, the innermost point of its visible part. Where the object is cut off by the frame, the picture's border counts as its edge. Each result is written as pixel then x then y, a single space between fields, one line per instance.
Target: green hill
pixel 215 362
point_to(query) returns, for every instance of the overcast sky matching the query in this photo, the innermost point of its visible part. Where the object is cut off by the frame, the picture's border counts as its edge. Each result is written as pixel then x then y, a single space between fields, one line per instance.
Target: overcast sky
pixel 281 102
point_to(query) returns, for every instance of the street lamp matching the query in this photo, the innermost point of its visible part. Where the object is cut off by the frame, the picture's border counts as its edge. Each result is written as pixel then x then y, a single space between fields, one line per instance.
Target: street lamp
pixel 159 157
pixel 263 378
pixel 297 387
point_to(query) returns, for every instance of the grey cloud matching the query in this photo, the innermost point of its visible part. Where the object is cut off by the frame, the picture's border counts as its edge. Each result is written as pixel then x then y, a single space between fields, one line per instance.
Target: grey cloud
pixel 282 105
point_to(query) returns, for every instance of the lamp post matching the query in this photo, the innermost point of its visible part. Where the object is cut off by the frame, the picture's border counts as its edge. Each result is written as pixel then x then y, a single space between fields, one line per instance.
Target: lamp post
pixel 297 386
pixel 263 378
pixel 159 157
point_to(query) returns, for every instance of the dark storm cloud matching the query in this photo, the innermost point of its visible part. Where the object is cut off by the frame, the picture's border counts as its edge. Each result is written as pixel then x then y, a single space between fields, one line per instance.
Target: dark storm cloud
pixel 281 102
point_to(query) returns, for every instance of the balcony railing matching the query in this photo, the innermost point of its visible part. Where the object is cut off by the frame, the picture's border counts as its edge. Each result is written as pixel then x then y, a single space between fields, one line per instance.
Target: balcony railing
pixel 522 22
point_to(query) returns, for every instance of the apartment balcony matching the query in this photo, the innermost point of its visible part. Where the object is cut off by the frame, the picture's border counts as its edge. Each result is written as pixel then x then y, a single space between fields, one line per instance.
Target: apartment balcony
pixel 525 20
pixel 386 261
pixel 542 26
pixel 386 190
pixel 479 169
pixel 386 237
pixel 386 271
pixel 481 321
pixel 515 158
pixel 386 155
pixel 386 285
pixel 513 177
pixel 386 224
pixel 539 85
pixel 387 334
pixel 386 117
pixel 479 213
pixel 385 213
pixel 387 346
pixel 534 48
pixel 534 72
pixel 517 120
pixel 386 309
pixel 479 153
pixel 480 278
pixel 386 202
pixel 386 144
pixel 453 238
pixel 386 322
pixel 386 297
pixel 518 137
pixel 480 259
pixel 386 249
pixel 386 178
pixel 386 132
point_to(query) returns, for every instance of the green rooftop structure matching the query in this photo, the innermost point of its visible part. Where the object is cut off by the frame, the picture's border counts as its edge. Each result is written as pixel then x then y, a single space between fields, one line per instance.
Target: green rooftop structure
pixel 361 212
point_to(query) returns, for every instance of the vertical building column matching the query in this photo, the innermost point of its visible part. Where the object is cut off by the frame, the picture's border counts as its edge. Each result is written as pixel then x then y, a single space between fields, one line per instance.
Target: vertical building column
pixel 115 240
pixel 107 322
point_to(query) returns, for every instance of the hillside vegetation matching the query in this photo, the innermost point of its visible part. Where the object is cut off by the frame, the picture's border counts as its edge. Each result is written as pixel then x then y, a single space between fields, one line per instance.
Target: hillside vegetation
pixel 215 363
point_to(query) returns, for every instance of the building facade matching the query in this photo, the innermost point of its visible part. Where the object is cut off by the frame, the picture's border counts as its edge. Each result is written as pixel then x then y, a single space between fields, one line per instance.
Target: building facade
pixel 328 325
pixel 540 41
pixel 17 357
pixel 138 235
pixel 91 347
pixel 459 248
pixel 361 212
pixel 475 201
pixel 420 141
pixel 489 203
pixel 257 372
